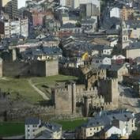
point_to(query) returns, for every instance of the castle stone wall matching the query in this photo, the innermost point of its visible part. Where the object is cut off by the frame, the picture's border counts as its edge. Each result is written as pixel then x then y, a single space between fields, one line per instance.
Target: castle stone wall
pixel 32 68
pixel 52 68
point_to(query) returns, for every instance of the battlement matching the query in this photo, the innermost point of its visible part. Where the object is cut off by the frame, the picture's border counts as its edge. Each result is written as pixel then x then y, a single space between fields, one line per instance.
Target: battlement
pixel 107 104
pixel 101 97
pixel 110 106
pixel 60 90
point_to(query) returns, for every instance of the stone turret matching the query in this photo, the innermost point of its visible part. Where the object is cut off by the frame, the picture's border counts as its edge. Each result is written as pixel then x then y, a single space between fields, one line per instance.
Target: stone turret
pixel 13 54
pixel 65 99
pixel 108 88
pixel 86 105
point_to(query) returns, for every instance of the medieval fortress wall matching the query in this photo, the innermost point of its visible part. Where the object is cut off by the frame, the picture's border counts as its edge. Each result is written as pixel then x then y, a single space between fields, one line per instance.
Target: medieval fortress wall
pixel 32 68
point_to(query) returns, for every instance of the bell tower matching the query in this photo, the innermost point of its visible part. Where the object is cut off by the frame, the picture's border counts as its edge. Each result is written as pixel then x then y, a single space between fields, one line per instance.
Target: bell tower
pixel 124 36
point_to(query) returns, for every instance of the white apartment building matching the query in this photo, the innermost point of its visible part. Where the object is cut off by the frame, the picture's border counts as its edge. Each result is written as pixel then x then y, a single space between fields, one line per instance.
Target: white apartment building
pixel 121 122
pixel 115 12
pixel 31 125
pixel 21 3
pixel 36 129
pixel 18 27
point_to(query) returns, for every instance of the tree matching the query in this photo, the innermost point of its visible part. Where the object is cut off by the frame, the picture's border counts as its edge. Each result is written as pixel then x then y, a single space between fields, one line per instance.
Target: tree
pixel 78 24
pixel 136 134
pixel 116 50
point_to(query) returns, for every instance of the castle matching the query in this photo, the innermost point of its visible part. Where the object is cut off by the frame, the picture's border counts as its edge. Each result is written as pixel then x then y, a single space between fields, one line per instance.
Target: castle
pixel 65 98
pixel 86 74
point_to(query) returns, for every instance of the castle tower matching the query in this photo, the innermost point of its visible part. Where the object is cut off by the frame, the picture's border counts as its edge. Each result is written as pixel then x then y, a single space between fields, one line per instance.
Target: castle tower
pixel 86 106
pixel 13 54
pixel 64 99
pixel 108 88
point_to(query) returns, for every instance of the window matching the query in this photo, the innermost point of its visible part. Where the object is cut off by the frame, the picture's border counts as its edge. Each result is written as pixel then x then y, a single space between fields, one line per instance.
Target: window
pixel 90 128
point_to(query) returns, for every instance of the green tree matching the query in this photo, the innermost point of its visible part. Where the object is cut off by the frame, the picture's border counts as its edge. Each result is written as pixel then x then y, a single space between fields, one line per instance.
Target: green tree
pixel 78 24
pixel 136 134
pixel 116 50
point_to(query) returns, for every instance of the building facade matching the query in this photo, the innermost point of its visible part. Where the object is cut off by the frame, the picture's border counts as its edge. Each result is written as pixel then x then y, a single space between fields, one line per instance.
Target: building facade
pixel 132 52
pixel 10 27
pixel 115 121
pixel 31 125
pixel 11 8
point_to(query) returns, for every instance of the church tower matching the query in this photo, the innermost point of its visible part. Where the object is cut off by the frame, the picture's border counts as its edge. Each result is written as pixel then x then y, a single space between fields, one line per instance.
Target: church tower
pixel 124 36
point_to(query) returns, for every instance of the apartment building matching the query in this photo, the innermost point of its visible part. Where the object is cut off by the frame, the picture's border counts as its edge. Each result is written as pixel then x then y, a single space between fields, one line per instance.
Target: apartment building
pixel 36 129
pixel 11 8
pixel 17 26
pixel 31 125
pixel 123 121
pixel 133 50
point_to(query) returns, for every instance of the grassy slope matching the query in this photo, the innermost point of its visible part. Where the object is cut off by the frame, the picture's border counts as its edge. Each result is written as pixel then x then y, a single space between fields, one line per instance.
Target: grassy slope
pixel 22 86
pixel 11 129
pixel 51 80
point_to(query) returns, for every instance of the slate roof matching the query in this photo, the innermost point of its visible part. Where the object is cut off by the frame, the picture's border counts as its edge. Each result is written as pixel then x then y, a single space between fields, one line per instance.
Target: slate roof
pixel 111 22
pixel 104 67
pixel 32 121
pixel 46 134
pixel 68 25
pixel 133 23
pixel 53 127
pixel 134 45
pixel 88 21
pixel 42 51
pixel 137 59
pixel 115 67
pixel 106 118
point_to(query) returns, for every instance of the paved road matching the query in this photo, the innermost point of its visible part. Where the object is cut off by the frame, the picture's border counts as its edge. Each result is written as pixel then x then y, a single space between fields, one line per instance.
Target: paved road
pixel 37 90
pixel 14 137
